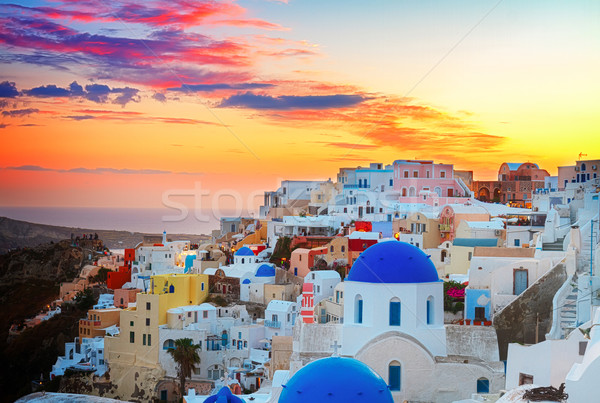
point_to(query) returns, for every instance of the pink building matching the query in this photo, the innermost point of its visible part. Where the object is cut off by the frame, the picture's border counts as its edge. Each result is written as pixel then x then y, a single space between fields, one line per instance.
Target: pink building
pixel 124 296
pixel 302 260
pixel 453 214
pixel 411 177
pixel 581 172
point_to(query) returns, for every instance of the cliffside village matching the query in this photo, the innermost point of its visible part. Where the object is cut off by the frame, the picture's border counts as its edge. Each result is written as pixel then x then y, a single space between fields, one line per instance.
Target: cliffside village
pixel 448 289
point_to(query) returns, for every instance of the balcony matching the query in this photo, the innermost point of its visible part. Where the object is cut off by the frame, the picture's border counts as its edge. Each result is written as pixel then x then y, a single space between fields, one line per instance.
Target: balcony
pixel 444 227
pixel 350 186
pixel 87 322
pixel 273 323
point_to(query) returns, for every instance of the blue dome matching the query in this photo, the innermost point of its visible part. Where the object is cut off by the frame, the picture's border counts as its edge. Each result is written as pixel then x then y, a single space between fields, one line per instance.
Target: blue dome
pixel 336 379
pixel 244 251
pixel 246 281
pixel 224 396
pixel 393 262
pixel 265 270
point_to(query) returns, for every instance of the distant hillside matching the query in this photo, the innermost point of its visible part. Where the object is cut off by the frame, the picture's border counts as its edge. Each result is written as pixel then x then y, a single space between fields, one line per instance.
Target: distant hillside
pixel 18 234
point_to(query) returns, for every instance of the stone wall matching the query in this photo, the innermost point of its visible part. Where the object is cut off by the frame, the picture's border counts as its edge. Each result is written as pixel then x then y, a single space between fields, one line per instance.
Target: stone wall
pixel 517 322
pixel 475 341
pixel 281 350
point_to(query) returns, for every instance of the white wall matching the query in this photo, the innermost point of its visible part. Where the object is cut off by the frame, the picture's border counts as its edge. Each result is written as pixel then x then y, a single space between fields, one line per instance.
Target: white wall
pixel 376 299
pixel 548 361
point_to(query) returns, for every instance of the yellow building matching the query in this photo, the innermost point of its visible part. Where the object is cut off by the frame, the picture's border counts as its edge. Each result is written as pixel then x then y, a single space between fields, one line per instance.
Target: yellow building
pixel 427 225
pixel 135 349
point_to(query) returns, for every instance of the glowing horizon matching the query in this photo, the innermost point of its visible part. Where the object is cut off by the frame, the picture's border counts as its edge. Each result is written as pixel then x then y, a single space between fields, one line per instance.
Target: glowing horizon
pixel 112 105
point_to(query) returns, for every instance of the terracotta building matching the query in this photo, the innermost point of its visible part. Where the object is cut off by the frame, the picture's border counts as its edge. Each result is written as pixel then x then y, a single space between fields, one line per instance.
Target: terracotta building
pixel 515 185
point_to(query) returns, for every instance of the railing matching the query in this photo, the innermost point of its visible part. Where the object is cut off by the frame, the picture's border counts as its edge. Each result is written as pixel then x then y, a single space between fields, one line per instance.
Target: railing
pixel 273 323
pixel 87 322
pixel 351 187
pixel 444 227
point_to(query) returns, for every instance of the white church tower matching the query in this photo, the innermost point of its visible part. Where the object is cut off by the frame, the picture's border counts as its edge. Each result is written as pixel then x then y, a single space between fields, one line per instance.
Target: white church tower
pixel 394 288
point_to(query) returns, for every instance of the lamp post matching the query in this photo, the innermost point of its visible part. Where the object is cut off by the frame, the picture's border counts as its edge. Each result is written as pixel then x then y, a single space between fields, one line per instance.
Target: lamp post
pixel 586 332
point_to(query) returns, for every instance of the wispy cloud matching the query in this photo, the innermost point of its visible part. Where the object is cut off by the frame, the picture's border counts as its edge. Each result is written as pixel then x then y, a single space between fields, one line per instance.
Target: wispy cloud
pixel 99 171
pixel 100 114
pixel 8 89
pixel 219 86
pixel 20 112
pixel 98 93
pixel 284 102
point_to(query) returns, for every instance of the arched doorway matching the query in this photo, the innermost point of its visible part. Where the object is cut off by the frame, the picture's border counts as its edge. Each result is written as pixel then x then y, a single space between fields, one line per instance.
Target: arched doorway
pixel 496 196
pixel 484 194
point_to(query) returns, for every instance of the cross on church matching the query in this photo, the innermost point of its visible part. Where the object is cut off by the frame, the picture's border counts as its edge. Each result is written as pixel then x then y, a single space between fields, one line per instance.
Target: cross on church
pixel 335 346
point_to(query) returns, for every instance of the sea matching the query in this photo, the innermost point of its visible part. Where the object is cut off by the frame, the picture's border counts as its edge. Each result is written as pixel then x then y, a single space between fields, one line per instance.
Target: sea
pixel 147 220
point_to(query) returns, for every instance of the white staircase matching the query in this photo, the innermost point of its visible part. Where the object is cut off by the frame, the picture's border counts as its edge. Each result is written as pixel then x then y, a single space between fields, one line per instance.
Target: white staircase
pixel 588 231
pixel 564 304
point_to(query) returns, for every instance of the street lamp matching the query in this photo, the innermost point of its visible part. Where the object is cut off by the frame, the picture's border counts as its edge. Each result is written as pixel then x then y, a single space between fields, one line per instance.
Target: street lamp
pixel 586 332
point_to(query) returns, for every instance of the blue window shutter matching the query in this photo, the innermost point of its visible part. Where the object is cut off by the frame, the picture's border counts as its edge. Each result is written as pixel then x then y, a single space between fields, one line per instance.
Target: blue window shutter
pixel 394 313
pixel 395 381
pixel 360 311
pixel 483 385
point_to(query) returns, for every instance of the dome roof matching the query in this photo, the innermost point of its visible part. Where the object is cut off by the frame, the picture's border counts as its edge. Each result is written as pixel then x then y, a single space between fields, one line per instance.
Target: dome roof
pixel 327 380
pixel 244 251
pixel 224 396
pixel 393 262
pixel 265 270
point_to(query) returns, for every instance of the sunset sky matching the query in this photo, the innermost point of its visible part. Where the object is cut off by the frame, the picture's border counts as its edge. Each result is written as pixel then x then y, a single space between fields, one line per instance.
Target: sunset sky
pixel 117 103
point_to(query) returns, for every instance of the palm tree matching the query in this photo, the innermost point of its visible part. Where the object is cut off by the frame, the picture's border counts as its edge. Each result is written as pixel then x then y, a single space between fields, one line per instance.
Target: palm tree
pixel 185 355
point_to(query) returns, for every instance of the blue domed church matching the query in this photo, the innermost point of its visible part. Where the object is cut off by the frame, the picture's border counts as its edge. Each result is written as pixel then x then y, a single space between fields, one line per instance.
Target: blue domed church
pixel 394 323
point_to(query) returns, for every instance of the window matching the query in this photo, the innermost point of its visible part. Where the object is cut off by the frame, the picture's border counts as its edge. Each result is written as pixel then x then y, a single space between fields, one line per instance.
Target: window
pixel 525 379
pixel 470 256
pixel 204 314
pixel 406 174
pixel 196 371
pixel 144 339
pixel 430 310
pixel 147 321
pixel 101 362
pixel 582 347
pixel 415 174
pixel 395 312
pixel 442 174
pixel 131 323
pixel 483 385
pixel 395 373
pixel 168 344
pixel 331 249
pixel 149 339
pixel 358 309
pixel 202 287
pixel 132 337
pixel 517 242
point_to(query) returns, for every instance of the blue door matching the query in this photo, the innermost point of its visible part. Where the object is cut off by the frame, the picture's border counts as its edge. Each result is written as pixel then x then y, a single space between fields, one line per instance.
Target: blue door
pixel 520 281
